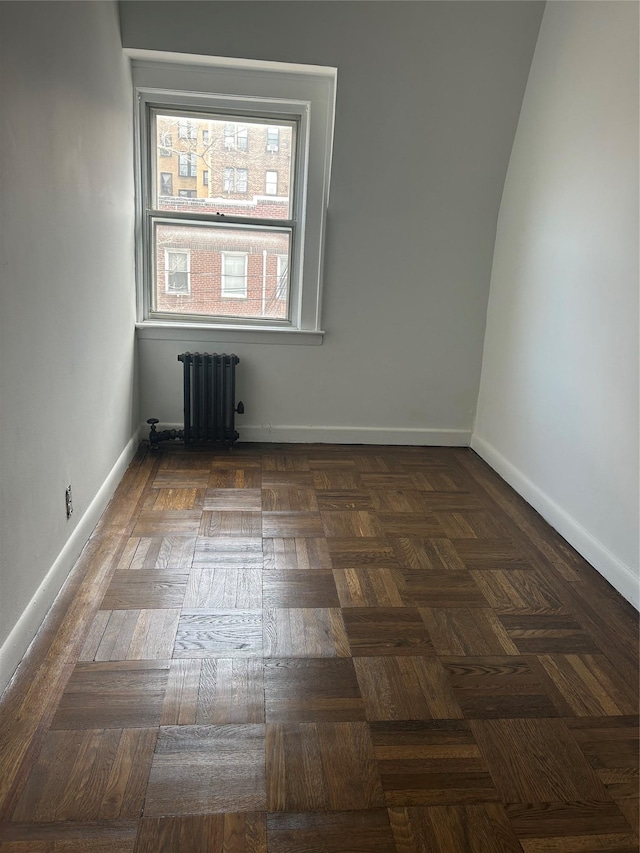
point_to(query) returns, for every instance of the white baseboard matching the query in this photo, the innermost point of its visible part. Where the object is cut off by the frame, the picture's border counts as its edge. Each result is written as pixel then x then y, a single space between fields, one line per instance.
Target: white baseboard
pixel 619 575
pixel 344 435
pixel 15 646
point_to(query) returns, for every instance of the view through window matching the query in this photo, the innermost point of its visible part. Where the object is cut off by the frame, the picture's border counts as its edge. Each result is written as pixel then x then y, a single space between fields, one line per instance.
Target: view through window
pixel 222 214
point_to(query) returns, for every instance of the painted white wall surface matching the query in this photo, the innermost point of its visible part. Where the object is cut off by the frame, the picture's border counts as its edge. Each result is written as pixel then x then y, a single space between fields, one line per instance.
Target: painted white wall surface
pixel 428 100
pixel 67 337
pixel 558 405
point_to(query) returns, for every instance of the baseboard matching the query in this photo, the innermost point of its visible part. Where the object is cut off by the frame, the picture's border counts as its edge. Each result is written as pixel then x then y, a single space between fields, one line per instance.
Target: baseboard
pixel 344 435
pixel 619 575
pixel 15 646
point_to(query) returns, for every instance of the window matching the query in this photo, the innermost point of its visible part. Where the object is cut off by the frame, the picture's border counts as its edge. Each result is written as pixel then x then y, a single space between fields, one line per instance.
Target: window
pixel 188 167
pixel 187 129
pixel 234 180
pixel 234 275
pixel 241 180
pixel 236 137
pixel 273 139
pixel 166 183
pixel 282 273
pixel 242 139
pixel 271 183
pixel 165 143
pixel 222 224
pixel 177 271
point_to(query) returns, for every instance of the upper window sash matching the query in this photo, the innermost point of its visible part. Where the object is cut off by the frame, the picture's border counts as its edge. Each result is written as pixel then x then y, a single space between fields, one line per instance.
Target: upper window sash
pixel 230 179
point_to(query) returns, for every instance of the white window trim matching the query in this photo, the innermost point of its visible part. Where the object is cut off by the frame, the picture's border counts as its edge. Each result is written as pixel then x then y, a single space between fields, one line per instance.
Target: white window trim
pixel 287 89
pixel 273 183
pixel 280 260
pixel 167 289
pixel 223 276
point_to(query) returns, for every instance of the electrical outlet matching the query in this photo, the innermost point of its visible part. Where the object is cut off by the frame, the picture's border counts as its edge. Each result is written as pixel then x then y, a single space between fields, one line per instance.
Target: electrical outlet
pixel 68 501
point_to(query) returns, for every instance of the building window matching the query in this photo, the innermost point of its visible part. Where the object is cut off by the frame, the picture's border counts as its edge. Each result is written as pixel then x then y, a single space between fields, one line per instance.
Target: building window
pixel 188 167
pixel 234 275
pixel 205 137
pixel 241 180
pixel 282 281
pixel 166 183
pixel 166 144
pixel 177 270
pixel 222 220
pixel 273 139
pixel 187 129
pixel 271 183
pixel 236 137
pixel 234 180
pixel 242 139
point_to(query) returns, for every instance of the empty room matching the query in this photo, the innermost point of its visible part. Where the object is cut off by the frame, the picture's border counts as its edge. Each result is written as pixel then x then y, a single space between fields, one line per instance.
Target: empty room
pixel 319 426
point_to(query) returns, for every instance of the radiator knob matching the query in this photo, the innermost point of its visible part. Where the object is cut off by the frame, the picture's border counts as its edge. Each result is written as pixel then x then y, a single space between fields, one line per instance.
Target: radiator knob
pixel 152 421
pixel 240 409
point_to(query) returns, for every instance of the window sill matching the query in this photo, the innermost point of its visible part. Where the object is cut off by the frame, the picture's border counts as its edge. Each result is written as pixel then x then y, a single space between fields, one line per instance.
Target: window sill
pixel 153 330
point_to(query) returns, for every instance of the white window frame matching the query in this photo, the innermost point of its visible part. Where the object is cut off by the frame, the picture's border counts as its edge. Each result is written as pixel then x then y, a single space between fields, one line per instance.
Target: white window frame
pixel 265 89
pixel 241 181
pixel 274 145
pixel 170 175
pixel 225 291
pixel 187 130
pixel 273 183
pixel 168 290
pixel 242 137
pixel 187 165
pixel 281 260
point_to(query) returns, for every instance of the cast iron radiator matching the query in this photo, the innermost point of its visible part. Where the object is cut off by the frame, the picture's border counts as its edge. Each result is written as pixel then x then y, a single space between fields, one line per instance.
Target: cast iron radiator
pixel 209 401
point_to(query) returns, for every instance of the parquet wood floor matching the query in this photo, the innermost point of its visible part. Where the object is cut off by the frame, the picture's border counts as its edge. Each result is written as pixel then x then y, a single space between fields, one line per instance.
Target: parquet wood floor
pixel 324 649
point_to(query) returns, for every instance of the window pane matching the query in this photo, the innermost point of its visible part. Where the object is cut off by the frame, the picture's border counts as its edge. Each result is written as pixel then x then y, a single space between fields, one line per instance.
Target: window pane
pixel 242 139
pixel 176 271
pixel 282 273
pixel 241 180
pixel 234 275
pixel 232 272
pixel 224 149
pixel 273 138
pixel 166 183
pixel 271 183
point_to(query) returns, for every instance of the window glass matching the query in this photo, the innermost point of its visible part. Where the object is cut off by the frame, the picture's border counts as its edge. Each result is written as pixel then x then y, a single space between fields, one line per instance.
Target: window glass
pixel 271 183
pixel 176 268
pixel 233 272
pixel 211 145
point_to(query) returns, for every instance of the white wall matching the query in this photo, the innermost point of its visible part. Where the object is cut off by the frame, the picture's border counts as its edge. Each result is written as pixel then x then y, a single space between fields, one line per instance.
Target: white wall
pixel 67 386
pixel 428 100
pixel 558 405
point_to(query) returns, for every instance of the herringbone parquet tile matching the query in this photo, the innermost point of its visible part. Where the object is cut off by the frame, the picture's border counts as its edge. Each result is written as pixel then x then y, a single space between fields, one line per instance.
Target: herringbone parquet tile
pixel 324 649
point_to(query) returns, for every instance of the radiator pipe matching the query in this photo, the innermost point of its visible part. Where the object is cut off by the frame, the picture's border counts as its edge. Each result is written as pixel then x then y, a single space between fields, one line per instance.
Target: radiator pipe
pixel 156 437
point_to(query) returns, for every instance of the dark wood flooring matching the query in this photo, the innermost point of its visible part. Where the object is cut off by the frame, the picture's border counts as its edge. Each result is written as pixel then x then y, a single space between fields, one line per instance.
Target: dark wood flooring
pixel 324 649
